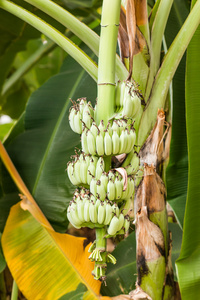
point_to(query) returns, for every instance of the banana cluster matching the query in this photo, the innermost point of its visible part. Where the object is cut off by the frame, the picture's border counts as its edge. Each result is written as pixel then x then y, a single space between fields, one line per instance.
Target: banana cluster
pixel 81 115
pixel 85 210
pixel 111 186
pixel 128 99
pixel 83 168
pixel 117 138
pixel 89 170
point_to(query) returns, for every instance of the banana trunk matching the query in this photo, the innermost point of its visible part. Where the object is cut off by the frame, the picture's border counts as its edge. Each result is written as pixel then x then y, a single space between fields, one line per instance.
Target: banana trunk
pixel 155 273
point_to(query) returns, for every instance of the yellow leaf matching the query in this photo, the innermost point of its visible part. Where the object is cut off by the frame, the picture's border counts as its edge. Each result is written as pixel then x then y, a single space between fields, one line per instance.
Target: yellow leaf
pixel 44 263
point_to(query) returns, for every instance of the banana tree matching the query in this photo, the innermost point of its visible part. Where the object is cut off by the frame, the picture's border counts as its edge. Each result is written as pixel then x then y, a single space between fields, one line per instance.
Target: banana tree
pixel 120 165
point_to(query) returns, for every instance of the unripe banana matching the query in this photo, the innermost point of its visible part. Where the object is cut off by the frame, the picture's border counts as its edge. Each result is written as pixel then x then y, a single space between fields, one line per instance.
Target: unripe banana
pixel 102 128
pixel 115 209
pixel 101 190
pixel 94 129
pixel 101 213
pixel 83 171
pixel 91 169
pixel 107 143
pixel 109 129
pixel 91 109
pixel 84 141
pixel 93 186
pixel 80 210
pixel 86 211
pixel 136 103
pixel 129 143
pixel 121 222
pixel 100 144
pixel 134 165
pixel 113 227
pixel 82 105
pixel 99 168
pixel 131 140
pixel 73 222
pixel 109 213
pixel 131 188
pixel 97 204
pixel 77 122
pixel 126 223
pixel 115 143
pixel 77 171
pixel 111 190
pixel 91 143
pixel 86 117
pixel 123 142
pixel 111 175
pixel 115 127
pixel 128 105
pixel 73 215
pixel 71 118
pixel 104 181
pixel 93 213
pixel 118 188
pixel 71 175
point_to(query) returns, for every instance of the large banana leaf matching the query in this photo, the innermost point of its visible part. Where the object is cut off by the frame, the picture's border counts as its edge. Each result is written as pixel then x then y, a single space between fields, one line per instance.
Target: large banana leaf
pixel 42 151
pixel 177 171
pixel 188 265
pixel 52 264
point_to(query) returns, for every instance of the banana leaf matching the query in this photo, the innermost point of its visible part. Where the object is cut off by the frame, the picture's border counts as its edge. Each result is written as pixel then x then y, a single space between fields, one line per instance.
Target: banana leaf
pixel 177 171
pixel 42 147
pixel 53 264
pixel 188 264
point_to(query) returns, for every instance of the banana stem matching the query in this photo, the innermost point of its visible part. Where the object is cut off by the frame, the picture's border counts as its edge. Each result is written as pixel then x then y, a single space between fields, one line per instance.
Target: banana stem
pixel 100 240
pixel 106 65
pixel 100 266
pixel 14 295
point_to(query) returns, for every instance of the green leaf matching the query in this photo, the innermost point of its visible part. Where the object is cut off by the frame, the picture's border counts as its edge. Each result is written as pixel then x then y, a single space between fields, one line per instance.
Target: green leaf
pixel 122 276
pixel 2 259
pixel 4 130
pixel 41 152
pixel 177 171
pixel 15 34
pixel 188 265
pixel 75 295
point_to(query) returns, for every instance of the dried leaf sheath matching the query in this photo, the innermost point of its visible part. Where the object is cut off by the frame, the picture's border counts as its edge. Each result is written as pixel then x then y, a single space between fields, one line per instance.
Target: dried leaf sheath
pixel 155 274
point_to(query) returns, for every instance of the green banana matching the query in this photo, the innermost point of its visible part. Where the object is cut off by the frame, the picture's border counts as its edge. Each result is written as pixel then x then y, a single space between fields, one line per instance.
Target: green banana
pixel 91 143
pixel 113 227
pixel 111 190
pixel 101 213
pixel 107 143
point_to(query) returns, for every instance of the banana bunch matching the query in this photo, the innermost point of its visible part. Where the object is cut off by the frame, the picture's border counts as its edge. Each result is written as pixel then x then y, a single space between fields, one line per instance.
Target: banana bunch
pixel 83 168
pixel 128 99
pixel 85 210
pixel 104 202
pixel 111 186
pixel 117 138
pixel 81 115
